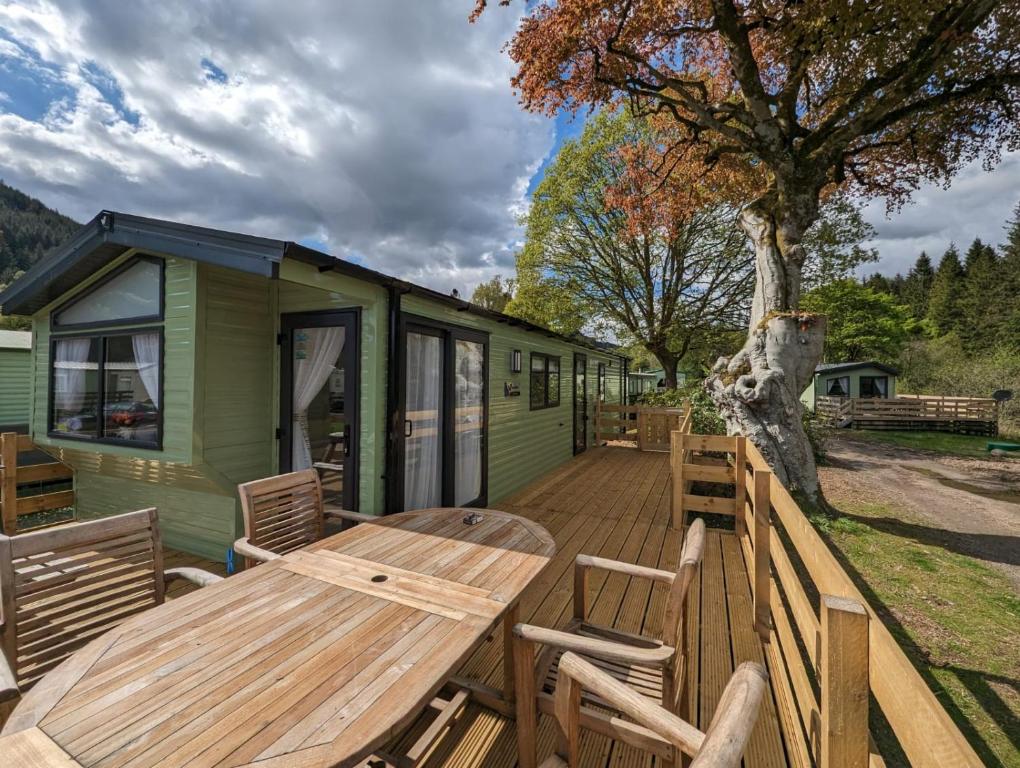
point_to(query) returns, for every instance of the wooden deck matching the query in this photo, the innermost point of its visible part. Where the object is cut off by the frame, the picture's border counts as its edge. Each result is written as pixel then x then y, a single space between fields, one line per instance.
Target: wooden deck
pixel 613 502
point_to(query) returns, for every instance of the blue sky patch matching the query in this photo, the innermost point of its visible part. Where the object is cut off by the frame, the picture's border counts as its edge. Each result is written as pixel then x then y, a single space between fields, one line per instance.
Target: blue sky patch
pixel 568 126
pixel 103 81
pixel 31 85
pixel 212 72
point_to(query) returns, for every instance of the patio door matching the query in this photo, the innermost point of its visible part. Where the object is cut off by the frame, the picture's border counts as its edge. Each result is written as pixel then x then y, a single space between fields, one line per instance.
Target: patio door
pixel 580 402
pixel 319 399
pixel 444 417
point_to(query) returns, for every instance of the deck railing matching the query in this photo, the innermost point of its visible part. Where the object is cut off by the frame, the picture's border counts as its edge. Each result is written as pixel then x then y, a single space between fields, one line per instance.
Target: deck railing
pixel 907 409
pixel 35 476
pixel 827 650
pixel 645 426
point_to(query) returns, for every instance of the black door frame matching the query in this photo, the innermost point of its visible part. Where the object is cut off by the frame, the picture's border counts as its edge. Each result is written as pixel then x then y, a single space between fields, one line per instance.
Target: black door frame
pixel 351 320
pixel 583 358
pixel 450 333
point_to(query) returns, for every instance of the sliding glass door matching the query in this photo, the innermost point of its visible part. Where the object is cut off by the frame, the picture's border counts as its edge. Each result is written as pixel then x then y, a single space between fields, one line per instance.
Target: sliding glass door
pixel 423 423
pixel 444 416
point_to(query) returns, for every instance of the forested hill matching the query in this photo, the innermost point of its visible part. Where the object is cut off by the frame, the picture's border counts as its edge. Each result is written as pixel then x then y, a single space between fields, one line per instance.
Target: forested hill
pixel 28 229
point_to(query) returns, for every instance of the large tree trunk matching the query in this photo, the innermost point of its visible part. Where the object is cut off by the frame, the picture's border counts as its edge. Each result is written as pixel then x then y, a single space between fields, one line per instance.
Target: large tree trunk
pixel 758 389
pixel 669 362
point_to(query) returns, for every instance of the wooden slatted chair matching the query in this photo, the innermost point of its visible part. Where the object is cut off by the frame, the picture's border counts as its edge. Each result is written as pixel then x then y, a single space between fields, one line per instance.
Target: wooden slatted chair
pixel 284 513
pixel 62 587
pixel 654 667
pixel 655 728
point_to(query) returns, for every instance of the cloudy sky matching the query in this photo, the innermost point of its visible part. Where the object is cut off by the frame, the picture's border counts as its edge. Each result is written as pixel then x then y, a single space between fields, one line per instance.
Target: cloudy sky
pixel 382 131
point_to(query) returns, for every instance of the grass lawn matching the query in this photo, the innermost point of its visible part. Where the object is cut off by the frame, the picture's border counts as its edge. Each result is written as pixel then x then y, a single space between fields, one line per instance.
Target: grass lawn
pixel 957 619
pixel 974 446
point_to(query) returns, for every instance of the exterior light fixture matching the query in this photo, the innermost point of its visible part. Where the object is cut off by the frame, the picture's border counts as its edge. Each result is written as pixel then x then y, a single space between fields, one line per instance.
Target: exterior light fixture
pixel 515 361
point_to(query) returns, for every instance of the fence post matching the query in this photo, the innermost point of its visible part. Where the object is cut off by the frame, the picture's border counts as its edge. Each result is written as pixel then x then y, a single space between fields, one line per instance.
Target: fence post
pixel 740 482
pixel 676 465
pixel 844 682
pixel 9 483
pixel 762 556
pixel 641 424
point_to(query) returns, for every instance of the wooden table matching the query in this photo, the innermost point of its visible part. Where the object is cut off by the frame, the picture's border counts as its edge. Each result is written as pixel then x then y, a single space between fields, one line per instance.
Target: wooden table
pixel 315 659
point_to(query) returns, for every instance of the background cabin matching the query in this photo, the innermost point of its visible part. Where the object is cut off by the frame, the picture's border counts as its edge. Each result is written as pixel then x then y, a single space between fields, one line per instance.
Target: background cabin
pixel 15 380
pixel 170 363
pixel 856 380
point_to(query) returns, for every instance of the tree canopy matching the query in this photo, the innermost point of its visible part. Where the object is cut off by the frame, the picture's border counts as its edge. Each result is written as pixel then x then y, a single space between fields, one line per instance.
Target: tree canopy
pixel 863 324
pixel 494 294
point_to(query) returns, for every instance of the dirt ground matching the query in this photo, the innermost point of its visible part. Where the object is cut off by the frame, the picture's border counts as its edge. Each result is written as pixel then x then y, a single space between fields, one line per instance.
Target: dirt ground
pixel 970 506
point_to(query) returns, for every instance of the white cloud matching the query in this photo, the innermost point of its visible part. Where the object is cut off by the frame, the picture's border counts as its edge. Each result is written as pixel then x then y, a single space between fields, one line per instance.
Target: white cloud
pixel 978 204
pixel 386 130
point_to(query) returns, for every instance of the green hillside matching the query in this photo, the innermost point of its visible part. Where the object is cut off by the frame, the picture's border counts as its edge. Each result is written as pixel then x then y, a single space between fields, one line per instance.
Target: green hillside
pixel 28 229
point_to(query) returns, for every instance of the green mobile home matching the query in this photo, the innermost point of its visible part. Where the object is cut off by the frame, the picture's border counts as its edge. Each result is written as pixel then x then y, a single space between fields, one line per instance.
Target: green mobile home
pixel 858 380
pixel 170 363
pixel 15 379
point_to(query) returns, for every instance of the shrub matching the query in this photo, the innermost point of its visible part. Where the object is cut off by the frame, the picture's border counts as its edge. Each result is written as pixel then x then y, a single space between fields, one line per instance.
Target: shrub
pixel 705 419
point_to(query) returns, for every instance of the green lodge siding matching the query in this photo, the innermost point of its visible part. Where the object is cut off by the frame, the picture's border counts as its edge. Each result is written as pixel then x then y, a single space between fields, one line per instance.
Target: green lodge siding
pixel 15 386
pixel 523 444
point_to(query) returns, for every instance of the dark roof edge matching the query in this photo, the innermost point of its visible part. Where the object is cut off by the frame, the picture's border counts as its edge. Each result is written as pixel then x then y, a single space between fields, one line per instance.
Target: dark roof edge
pixel 840 367
pixel 318 258
pixel 246 253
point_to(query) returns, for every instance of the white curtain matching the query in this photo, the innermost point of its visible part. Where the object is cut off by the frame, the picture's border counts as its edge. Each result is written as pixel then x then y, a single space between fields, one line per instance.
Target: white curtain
pixel 469 416
pixel 322 347
pixel 423 448
pixel 881 386
pixel 71 357
pixel 146 348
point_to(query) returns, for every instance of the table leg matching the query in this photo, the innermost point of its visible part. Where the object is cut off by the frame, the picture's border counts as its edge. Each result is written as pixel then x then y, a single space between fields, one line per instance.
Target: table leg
pixel 509 620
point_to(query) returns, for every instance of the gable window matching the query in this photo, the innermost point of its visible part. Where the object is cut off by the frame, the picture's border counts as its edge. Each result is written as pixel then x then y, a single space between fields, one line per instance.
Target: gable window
pixel 545 381
pixel 106 385
pixel 838 387
pixel 874 386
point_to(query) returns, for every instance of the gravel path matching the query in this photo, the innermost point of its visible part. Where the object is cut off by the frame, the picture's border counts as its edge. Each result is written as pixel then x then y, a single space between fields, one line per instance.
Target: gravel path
pixel 969 506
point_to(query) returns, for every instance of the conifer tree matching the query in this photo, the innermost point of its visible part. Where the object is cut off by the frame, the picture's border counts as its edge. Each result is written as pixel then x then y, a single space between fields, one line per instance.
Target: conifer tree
pixel 1009 284
pixel 946 291
pixel 981 310
pixel 917 286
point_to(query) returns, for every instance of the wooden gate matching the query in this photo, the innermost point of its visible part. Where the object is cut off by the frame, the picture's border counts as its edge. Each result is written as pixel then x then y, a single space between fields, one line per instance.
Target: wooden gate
pixel 646 427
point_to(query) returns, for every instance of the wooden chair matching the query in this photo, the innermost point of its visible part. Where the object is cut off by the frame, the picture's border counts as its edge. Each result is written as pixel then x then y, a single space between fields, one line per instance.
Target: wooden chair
pixel 656 729
pixel 62 587
pixel 653 667
pixel 284 513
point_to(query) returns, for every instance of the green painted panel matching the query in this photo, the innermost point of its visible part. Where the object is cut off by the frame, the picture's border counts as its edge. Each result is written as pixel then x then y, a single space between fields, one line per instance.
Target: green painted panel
pixel 15 386
pixel 523 444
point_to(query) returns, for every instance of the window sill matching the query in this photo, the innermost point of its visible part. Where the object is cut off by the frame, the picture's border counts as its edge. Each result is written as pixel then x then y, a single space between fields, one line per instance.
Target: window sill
pixel 147 446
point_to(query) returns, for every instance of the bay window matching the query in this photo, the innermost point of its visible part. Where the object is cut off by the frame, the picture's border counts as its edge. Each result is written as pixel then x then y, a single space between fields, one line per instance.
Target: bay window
pixel 106 385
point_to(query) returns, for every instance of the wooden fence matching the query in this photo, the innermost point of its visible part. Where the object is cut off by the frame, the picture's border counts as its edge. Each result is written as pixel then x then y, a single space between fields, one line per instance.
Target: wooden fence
pixel 647 427
pixel 955 414
pixel 826 648
pixel 15 480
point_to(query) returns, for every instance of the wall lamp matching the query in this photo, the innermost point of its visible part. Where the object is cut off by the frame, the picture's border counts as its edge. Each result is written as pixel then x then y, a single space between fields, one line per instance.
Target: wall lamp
pixel 515 361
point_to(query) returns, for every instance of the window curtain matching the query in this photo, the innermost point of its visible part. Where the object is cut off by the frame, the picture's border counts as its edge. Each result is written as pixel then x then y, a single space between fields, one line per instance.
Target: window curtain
pixel 71 356
pixel 322 347
pixel 881 386
pixel 146 349
pixel 469 421
pixel 423 448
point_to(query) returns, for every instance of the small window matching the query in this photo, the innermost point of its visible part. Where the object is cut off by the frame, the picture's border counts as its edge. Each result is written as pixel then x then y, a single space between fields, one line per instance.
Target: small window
pixel 131 294
pixel 839 387
pixel 875 386
pixel 108 388
pixel 545 381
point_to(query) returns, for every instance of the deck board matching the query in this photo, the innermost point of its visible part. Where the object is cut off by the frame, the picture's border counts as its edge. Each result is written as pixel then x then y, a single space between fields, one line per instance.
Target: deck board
pixel 612 502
